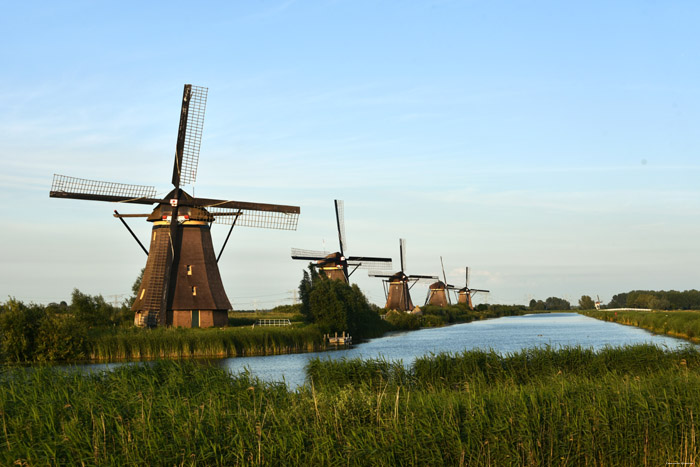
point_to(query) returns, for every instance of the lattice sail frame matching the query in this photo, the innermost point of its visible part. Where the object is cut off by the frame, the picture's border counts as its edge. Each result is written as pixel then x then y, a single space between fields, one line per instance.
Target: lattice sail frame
pixel 193 134
pixel 254 218
pixel 370 265
pixel 315 254
pixel 423 279
pixel 65 184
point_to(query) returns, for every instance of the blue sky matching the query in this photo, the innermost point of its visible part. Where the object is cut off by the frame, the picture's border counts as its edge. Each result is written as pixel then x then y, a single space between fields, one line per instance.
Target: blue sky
pixel 550 146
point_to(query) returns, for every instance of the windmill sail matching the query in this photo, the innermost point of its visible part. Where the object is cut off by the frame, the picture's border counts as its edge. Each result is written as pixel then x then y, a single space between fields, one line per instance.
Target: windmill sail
pixel 181 283
pixel 336 265
pixel 82 188
pixel 398 294
pixel 189 137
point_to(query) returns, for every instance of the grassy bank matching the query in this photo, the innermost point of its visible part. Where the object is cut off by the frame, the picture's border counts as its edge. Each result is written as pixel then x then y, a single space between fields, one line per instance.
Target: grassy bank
pixel 434 316
pixel 683 324
pixel 136 344
pixel 633 406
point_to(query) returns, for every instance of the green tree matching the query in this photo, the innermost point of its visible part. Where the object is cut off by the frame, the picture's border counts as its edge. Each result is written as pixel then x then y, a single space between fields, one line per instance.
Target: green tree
pixel 335 306
pixel 19 326
pixel 556 303
pixel 136 288
pixel 92 311
pixel 586 302
pixel 60 337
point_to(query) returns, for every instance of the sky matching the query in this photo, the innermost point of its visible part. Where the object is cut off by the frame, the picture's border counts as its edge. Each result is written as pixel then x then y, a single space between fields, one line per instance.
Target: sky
pixel 552 147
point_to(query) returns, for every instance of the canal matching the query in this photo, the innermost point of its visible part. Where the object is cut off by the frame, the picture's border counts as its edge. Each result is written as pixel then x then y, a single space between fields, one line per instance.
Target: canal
pixel 504 335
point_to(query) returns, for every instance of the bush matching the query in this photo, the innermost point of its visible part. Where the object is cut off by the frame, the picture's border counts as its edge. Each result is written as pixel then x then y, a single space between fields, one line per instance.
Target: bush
pixel 335 306
pixel 19 326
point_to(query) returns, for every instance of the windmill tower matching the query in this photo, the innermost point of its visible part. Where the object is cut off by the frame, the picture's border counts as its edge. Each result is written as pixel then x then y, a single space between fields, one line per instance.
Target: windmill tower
pixel 466 294
pixel 181 283
pixel 438 292
pixel 336 265
pixel 396 286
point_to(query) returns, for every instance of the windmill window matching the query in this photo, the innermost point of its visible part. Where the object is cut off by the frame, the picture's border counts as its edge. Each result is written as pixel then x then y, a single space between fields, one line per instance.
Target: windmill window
pixel 194 290
pixel 143 292
pixel 189 269
pixel 154 236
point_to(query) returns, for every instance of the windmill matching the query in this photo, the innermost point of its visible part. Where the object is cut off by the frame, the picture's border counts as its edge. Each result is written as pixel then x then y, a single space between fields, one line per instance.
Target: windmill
pixel 466 294
pixel 181 283
pixel 438 292
pixel 398 295
pixel 336 265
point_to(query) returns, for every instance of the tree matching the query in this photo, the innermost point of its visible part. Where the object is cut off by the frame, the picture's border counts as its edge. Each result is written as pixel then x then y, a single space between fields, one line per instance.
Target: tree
pixel 335 306
pixel 556 303
pixel 618 301
pixel 586 302
pixel 91 311
pixel 19 326
pixel 136 288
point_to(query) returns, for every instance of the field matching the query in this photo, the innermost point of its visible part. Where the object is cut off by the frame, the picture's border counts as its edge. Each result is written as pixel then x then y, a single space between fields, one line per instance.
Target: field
pixel 680 323
pixel 628 406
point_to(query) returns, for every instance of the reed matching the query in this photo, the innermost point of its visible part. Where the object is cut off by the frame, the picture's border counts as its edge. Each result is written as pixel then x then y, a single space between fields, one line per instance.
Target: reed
pixel 680 323
pixel 611 412
pixel 134 344
pixel 454 370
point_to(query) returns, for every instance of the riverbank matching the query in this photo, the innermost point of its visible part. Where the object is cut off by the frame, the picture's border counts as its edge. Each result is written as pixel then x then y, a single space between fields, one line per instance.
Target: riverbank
pixel 681 323
pixel 570 406
pixel 90 330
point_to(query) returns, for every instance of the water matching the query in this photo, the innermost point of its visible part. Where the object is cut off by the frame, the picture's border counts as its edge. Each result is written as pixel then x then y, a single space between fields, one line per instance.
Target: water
pixel 507 334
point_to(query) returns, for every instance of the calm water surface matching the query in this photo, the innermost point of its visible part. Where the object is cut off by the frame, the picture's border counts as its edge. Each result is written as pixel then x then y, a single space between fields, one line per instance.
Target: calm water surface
pixel 507 334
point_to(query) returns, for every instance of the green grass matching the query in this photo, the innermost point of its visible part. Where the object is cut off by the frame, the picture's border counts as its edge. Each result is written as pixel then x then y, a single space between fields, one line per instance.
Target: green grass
pixel 680 323
pixel 137 343
pixel 632 406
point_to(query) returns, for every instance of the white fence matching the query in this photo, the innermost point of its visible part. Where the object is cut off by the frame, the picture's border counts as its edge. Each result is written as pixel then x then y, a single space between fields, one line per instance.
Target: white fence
pixel 272 322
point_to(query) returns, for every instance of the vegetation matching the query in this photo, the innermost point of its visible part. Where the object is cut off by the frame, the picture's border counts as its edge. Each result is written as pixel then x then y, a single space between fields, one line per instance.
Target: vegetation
pixel 571 406
pixel 91 329
pixel 248 318
pixel 683 324
pixel 335 306
pixel 657 300
pixel 551 304
pixel 586 303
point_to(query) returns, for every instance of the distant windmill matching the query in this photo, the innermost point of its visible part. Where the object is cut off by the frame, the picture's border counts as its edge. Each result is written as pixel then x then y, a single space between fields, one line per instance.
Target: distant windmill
pixel 438 292
pixel 398 295
pixel 466 294
pixel 597 302
pixel 181 283
pixel 336 265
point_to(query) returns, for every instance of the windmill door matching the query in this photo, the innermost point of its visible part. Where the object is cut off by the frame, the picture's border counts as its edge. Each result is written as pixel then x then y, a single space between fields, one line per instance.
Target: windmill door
pixel 195 318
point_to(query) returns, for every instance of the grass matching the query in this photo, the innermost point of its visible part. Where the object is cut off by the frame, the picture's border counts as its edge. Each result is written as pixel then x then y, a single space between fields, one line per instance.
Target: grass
pixel 631 406
pixel 680 323
pixel 135 343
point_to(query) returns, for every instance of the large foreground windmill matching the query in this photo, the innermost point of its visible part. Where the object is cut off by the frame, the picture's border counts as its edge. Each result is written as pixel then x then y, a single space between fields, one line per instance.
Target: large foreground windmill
pixel 337 265
pixel 396 286
pixel 466 294
pixel 181 284
pixel 438 292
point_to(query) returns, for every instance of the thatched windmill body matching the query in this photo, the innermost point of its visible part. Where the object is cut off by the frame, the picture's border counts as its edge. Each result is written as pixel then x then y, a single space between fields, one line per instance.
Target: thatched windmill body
pixel 397 286
pixel 181 284
pixel 438 292
pixel 336 265
pixel 466 293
